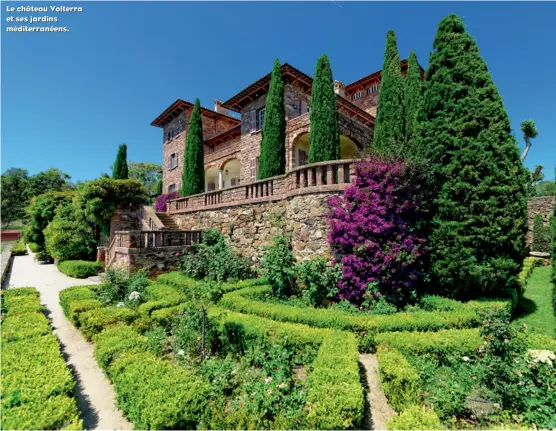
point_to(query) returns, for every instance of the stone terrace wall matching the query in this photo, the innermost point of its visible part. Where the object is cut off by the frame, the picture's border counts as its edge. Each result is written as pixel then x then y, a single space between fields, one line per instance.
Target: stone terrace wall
pixel 251 227
pixel 542 205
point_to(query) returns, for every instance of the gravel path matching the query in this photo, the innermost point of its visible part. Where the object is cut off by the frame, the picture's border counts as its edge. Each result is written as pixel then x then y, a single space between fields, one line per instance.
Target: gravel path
pixel 95 396
pixel 380 410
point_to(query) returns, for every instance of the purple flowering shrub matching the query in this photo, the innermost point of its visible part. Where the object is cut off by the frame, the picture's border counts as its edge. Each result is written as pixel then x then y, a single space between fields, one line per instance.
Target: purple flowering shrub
pixel 160 205
pixel 373 232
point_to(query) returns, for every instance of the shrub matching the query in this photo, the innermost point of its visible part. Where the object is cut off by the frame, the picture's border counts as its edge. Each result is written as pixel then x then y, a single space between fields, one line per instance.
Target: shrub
pixel 160 296
pixel 215 260
pixel 541 235
pixel 187 284
pixel 35 248
pixel 278 263
pixel 112 342
pixel 77 295
pixel 415 418
pixel 373 228
pixel 79 268
pixel 156 339
pixel 94 321
pixel 43 256
pixel 19 249
pixel 157 394
pixel 400 381
pixel 160 205
pixel 37 387
pixel 318 280
pixel 117 284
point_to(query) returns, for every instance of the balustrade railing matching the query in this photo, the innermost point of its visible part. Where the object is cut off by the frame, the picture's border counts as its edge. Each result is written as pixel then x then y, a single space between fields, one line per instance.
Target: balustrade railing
pixel 326 176
pixel 148 219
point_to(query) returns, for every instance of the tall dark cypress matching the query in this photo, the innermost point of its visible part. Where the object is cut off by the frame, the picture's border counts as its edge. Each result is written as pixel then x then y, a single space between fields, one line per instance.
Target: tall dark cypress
pixel 413 97
pixel 324 135
pixel 120 166
pixel 193 176
pixel 272 159
pixel 480 211
pixel 389 134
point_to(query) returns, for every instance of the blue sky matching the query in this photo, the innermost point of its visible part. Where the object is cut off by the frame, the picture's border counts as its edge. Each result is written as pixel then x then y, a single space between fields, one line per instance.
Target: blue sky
pixel 69 100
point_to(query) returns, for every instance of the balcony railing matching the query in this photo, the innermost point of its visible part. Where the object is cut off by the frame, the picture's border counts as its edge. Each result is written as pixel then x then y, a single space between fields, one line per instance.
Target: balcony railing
pixel 318 177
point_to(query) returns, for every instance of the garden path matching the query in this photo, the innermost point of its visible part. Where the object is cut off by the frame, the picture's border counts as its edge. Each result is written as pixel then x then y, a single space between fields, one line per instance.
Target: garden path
pixel 380 410
pixel 95 395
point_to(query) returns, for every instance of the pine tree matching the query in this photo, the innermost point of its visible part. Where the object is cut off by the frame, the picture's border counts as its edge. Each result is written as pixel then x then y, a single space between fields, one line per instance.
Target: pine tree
pixel 480 210
pixel 193 176
pixel 412 97
pixel 272 159
pixel 120 166
pixel 389 134
pixel 324 135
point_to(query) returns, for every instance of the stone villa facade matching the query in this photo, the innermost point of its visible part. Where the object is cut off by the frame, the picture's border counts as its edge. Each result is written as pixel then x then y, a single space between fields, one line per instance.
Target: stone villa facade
pixel 232 131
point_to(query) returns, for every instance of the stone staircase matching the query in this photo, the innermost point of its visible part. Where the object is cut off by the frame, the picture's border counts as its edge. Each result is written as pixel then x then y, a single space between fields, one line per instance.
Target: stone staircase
pixel 167 221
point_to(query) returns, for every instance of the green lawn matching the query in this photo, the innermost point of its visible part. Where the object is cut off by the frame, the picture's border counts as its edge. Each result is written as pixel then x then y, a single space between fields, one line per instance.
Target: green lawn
pixel 535 308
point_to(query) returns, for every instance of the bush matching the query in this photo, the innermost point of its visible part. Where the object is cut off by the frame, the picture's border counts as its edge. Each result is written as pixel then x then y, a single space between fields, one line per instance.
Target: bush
pixel 215 260
pixel 366 325
pixel 541 235
pixel 373 228
pixel 278 263
pixel 157 394
pixel 160 296
pixel 77 299
pixel 187 284
pixel 37 387
pixel 94 321
pixel 35 248
pixel 112 342
pixel 117 285
pixel 160 205
pixel 400 381
pixel 415 418
pixel 318 280
pixel 19 249
pixel 43 256
pixel 79 268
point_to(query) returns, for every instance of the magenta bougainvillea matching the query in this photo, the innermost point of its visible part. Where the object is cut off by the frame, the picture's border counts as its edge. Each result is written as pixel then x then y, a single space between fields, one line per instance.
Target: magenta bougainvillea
pixel 373 230
pixel 160 205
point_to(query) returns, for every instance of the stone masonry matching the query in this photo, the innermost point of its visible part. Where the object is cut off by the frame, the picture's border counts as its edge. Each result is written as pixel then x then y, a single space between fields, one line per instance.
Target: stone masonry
pixel 543 205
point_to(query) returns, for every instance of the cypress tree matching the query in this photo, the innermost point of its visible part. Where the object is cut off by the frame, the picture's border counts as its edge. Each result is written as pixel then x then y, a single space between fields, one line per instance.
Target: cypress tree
pixel 413 97
pixel 272 160
pixel 324 135
pixel 120 166
pixel 480 209
pixel 389 134
pixel 193 176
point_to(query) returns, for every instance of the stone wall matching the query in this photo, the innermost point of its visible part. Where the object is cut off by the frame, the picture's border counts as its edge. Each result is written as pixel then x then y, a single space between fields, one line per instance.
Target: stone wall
pixel 155 260
pixel 249 228
pixel 543 205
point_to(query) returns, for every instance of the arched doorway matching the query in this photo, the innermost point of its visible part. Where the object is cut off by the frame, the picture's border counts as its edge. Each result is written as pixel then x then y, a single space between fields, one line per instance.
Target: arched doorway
pixel 301 150
pixel 231 172
pixel 211 179
pixel 348 148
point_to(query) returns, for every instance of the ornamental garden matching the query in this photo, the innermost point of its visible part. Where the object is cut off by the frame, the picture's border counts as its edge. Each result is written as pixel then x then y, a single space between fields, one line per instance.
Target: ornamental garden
pixel 429 275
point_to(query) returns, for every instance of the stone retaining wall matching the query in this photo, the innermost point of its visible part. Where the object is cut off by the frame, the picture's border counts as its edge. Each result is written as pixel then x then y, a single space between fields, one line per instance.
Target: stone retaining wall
pixel 249 228
pixel 6 262
pixel 155 259
pixel 543 205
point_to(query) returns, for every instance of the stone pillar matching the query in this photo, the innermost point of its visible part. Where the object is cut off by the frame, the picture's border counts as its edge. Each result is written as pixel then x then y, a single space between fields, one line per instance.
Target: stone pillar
pixel 220 179
pixel 101 254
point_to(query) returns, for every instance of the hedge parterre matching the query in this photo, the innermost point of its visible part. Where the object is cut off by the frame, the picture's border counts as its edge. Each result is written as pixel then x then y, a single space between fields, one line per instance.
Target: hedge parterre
pixel 37 387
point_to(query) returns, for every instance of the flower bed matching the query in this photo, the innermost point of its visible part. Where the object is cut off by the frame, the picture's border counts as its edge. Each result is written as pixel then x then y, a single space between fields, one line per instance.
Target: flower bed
pixel 37 387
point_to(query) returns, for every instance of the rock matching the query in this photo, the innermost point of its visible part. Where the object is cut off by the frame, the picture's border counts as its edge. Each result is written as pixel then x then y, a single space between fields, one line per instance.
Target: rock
pixel 540 254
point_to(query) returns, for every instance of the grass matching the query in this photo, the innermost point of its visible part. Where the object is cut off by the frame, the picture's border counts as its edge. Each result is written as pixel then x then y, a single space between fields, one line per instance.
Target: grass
pixel 535 308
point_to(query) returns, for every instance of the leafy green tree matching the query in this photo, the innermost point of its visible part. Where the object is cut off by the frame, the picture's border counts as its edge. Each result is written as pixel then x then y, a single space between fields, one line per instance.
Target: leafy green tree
pixel 480 211
pixel 324 135
pixel 120 171
pixel 389 135
pixel 14 183
pixel 148 173
pixel 194 159
pixel 413 97
pixel 51 180
pixel 541 235
pixel 272 159
pixel 545 188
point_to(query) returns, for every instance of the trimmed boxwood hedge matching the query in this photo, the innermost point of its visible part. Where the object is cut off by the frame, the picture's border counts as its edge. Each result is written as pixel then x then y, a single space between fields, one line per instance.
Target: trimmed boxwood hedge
pixel 79 268
pixel 415 418
pixel 185 283
pixel 76 300
pixel 461 315
pixel 19 248
pixel 93 321
pixel 37 387
pixel 335 395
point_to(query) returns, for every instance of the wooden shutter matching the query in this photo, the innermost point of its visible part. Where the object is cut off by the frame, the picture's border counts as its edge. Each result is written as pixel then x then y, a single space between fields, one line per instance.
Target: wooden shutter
pixel 303 107
pixel 253 120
